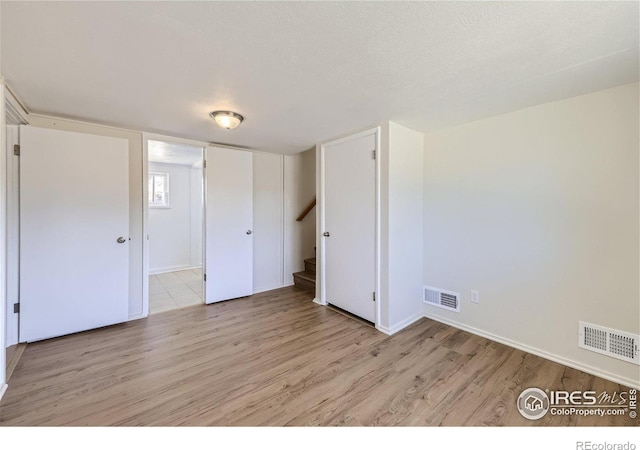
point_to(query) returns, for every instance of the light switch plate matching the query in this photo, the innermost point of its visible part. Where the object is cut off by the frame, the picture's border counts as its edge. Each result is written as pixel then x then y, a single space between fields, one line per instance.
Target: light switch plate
pixel 475 297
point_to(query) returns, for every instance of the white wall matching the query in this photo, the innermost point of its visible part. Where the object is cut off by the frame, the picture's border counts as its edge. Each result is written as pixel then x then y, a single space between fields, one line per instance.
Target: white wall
pixel 538 211
pixel 268 197
pixel 400 154
pixel 405 225
pixel 172 235
pixel 135 194
pixel 299 191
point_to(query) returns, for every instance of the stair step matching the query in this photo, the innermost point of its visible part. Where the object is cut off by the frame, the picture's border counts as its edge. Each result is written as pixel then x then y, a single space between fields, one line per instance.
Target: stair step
pixel 310 265
pixel 306 276
pixel 305 280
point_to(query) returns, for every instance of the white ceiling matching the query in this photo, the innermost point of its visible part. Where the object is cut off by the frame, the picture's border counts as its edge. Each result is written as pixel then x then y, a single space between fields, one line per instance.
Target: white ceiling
pixel 303 72
pixel 170 153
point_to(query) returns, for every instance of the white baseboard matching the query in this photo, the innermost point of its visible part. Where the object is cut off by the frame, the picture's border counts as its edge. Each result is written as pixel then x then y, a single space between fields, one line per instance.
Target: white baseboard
pixel 319 302
pixel 137 316
pixel 541 353
pixel 400 326
pixel 3 389
pixel 172 269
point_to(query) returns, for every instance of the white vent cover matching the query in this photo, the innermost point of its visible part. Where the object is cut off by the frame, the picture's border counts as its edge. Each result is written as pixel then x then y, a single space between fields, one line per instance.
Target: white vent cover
pixel 441 298
pixel 610 342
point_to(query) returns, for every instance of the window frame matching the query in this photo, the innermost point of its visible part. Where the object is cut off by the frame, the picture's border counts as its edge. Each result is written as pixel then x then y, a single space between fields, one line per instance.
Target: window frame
pixel 156 205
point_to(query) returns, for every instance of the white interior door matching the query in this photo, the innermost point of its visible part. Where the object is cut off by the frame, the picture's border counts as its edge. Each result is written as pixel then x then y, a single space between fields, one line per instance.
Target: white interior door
pixel 349 225
pixel 229 222
pixel 13 234
pixel 74 210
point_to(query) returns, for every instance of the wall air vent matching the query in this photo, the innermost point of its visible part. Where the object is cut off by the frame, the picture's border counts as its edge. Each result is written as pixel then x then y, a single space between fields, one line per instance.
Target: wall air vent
pixel 441 298
pixel 610 342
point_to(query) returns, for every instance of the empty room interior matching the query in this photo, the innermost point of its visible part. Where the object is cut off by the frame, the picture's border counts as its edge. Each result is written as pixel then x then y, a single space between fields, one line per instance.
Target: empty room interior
pixel 319 214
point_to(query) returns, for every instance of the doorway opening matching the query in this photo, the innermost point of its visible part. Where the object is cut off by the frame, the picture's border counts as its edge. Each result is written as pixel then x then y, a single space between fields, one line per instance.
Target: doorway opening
pixel 175 201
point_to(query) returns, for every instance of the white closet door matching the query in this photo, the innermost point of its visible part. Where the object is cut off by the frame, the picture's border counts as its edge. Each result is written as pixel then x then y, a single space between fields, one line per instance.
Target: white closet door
pixel 229 222
pixel 74 228
pixel 349 225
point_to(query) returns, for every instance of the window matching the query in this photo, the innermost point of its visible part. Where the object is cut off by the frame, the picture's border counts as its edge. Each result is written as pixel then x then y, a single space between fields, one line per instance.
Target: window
pixel 158 190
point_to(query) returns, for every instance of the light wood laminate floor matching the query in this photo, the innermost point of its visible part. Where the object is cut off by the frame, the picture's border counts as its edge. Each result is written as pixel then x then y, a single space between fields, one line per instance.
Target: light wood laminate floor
pixel 276 358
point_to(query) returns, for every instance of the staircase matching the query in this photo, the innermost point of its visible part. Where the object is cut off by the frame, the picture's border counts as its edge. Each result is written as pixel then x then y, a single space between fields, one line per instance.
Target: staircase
pixel 307 280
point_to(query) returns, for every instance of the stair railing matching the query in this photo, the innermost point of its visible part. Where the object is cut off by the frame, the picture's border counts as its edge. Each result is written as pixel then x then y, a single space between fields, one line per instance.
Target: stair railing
pixel 307 210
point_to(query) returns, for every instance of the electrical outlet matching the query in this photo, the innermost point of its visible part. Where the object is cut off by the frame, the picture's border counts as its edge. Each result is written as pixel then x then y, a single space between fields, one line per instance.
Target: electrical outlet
pixel 475 297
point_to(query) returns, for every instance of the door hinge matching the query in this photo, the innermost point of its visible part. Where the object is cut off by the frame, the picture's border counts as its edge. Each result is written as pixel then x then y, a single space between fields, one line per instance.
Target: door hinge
pixel 204 163
pixel 374 154
pixel 374 296
pixel 16 149
pixel 16 308
pixel 205 277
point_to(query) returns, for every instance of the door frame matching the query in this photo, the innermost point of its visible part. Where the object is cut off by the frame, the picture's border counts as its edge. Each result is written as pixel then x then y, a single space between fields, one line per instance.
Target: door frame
pixel 146 137
pixel 320 220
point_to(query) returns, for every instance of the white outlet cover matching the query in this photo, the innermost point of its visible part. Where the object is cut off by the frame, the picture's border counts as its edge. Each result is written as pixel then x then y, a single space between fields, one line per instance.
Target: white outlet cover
pixel 475 297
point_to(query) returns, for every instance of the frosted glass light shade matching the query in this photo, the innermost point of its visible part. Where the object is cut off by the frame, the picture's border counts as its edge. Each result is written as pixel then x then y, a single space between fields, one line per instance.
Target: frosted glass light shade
pixel 227 119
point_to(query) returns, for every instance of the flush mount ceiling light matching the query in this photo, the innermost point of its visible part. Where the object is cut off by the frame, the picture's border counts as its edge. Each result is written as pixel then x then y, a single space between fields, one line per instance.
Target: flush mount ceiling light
pixel 227 119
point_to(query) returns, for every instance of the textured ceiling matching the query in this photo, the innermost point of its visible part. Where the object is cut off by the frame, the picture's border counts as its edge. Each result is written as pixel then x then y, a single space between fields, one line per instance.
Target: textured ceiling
pixel 302 72
pixel 169 153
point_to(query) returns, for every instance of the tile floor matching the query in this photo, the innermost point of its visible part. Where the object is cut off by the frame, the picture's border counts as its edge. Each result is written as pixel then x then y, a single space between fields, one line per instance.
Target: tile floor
pixel 173 290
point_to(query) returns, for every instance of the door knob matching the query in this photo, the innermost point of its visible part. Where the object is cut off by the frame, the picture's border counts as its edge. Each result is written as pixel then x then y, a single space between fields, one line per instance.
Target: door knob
pixel 249 231
pixel 326 234
pixel 121 240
